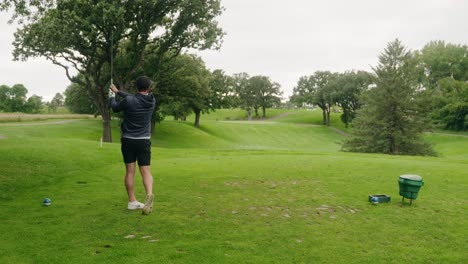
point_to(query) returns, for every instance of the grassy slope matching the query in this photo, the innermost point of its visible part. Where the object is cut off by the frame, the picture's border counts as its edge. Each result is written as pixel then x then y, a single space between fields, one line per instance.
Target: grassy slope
pixel 230 192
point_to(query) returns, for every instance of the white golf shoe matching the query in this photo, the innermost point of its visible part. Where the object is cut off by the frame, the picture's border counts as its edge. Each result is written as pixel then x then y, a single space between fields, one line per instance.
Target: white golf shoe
pixel 135 205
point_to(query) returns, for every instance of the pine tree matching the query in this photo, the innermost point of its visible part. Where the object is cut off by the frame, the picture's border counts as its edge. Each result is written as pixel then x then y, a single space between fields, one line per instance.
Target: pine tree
pixel 389 120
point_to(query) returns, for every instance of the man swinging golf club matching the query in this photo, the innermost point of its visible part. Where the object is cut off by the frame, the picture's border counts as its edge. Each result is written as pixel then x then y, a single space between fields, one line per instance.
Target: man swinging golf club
pixel 136 139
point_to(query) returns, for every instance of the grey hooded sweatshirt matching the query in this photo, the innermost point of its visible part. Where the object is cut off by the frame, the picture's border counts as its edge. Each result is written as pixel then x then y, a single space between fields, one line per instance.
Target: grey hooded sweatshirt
pixel 138 109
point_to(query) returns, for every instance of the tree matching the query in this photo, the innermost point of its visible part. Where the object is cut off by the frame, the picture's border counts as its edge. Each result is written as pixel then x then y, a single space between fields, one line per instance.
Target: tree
pixel 222 86
pixel 244 92
pixel 316 90
pixel 348 88
pixel 34 104
pixel 266 93
pixel 78 100
pixel 56 101
pixel 13 99
pixel 184 82
pixel 84 36
pixel 17 98
pixel 4 98
pixel 452 105
pixel 389 120
pixel 444 68
pixel 440 60
pixel 178 109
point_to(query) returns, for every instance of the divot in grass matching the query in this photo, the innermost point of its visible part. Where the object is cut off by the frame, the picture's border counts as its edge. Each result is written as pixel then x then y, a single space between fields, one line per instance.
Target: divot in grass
pixel 327 209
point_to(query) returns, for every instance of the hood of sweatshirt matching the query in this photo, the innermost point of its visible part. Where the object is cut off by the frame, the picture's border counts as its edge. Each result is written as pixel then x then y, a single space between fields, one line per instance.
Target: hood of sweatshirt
pixel 147 101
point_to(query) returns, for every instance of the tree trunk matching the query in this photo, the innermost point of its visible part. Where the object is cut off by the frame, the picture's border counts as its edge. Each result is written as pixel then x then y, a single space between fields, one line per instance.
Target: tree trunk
pixel 256 111
pixel 101 101
pixel 328 116
pixel 249 114
pixel 345 117
pixel 197 117
pixel 324 116
pixel 153 126
pixel 264 112
pixel 348 118
pixel 106 125
pixel 391 149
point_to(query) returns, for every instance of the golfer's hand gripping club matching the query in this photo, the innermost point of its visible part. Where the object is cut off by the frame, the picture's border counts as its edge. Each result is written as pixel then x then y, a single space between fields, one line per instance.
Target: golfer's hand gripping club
pixel 112 90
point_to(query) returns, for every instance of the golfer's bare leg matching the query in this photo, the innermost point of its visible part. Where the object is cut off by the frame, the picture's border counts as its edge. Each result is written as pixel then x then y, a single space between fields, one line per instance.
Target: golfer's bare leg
pixel 130 180
pixel 148 182
pixel 147 178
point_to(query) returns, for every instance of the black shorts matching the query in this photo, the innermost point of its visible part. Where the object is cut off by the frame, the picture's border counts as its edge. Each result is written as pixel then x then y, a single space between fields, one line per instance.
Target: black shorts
pixel 136 149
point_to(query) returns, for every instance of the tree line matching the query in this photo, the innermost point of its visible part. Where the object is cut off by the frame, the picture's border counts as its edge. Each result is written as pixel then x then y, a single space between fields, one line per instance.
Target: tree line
pixel 391 107
pixel 184 85
pixel 14 99
pixel 439 76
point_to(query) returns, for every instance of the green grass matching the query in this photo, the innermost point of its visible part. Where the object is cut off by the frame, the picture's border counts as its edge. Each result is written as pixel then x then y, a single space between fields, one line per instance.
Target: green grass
pixel 229 192
pixel 21 117
pixel 296 116
pixel 224 114
pixel 238 114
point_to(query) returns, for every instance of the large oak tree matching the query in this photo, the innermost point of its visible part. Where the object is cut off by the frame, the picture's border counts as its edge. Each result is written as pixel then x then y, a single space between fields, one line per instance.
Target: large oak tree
pixel 266 93
pixel 347 89
pixel 184 83
pixel 317 89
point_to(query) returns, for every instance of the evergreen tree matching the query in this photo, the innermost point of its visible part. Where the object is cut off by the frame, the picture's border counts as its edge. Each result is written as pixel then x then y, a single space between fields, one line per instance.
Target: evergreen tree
pixel 389 120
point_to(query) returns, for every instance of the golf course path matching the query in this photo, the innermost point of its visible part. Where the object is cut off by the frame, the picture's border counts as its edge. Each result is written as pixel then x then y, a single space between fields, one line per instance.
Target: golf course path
pixel 453 135
pixel 288 113
pixel 341 131
pixel 59 122
pixel 271 120
pixel 278 116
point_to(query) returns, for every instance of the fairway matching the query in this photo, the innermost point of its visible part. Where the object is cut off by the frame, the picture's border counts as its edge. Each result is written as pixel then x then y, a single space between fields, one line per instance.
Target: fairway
pixel 273 191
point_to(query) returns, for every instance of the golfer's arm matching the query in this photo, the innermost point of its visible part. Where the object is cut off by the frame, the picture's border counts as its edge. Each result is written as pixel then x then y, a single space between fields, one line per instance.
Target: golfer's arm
pixel 123 94
pixel 117 107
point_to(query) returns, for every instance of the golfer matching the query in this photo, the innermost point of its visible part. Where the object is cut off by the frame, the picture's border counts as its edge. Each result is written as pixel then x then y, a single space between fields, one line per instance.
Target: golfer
pixel 136 139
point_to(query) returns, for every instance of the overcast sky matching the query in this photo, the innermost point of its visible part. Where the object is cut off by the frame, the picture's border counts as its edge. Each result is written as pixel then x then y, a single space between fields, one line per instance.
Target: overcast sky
pixel 288 39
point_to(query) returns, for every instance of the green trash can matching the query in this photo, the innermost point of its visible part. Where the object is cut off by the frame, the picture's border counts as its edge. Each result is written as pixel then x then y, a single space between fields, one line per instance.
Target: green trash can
pixel 409 186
